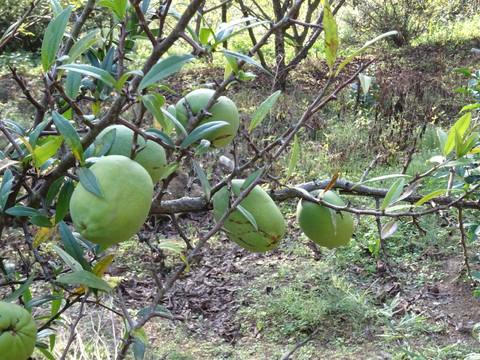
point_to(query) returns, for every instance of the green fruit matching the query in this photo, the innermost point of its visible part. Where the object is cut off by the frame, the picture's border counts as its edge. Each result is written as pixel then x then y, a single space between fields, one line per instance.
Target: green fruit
pixel 127 193
pixel 18 332
pixel 269 219
pixel 152 157
pixel 223 109
pixel 323 225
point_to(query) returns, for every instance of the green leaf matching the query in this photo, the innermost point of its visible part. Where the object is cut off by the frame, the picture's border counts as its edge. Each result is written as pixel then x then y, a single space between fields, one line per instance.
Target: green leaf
pixel 460 127
pixel 35 134
pixel 202 131
pixel 393 193
pixel 71 245
pixel 21 210
pixel 232 62
pixel 42 153
pixel 226 33
pixel 53 190
pixel 293 158
pixel 56 7
pixel 70 135
pixel 119 7
pixel 5 188
pixel 442 138
pixel 205 34
pixel 203 179
pixel 174 120
pixel 247 59
pixel 263 110
pixel 68 259
pixel 53 37
pixel 35 302
pixel 94 72
pixel 103 145
pixel 17 293
pixel 162 136
pixel 72 84
pixel 251 178
pixel 331 35
pixel 171 168
pixel 248 215
pixel 85 278
pixel 430 196
pixel 82 45
pixel 63 202
pixel 202 147
pixel 175 247
pixel 363 48
pixel 164 68
pixel 89 181
pixel 469 143
pixel 154 102
pixel 41 220
pixel 469 107
pixel 125 76
pixel 380 178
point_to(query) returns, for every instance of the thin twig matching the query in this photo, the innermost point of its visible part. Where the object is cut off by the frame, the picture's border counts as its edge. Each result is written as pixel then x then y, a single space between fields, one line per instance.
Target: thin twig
pixel 73 326
pixel 301 343
pixel 464 243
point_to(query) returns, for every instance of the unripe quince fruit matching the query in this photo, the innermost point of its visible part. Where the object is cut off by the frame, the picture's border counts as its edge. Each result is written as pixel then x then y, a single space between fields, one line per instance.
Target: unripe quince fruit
pixel 223 109
pixel 18 332
pixel 323 225
pixel 127 194
pixel 152 157
pixel 269 219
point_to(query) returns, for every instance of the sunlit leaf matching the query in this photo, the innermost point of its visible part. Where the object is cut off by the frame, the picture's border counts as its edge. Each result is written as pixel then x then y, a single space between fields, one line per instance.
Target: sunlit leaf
pixel 331 35
pixel 389 229
pixel 164 68
pixel 202 131
pixel 393 193
pixel 248 215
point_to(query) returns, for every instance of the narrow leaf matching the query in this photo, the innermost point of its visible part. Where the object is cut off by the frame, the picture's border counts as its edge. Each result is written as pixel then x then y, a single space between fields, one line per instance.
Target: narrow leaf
pixel 203 179
pixel 68 259
pixel 393 193
pixel 263 110
pixel 247 59
pixel 40 220
pixel 251 178
pixel 53 37
pixel 379 178
pixel 21 210
pixel 460 127
pixel 35 302
pixel 363 48
pixel 202 131
pixel 82 45
pixel 389 229
pixel 85 278
pixel 94 72
pixel 42 153
pixel 72 84
pixel 71 245
pixel 331 35
pixel 17 293
pixel 89 181
pixel 293 158
pixel 430 196
pixel 154 102
pixel 174 120
pixel 162 136
pixel 164 68
pixel 249 216
pixel 70 135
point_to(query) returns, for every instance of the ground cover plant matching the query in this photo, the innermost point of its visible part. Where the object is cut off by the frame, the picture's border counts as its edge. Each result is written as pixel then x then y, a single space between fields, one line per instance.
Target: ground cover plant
pixel 151 176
